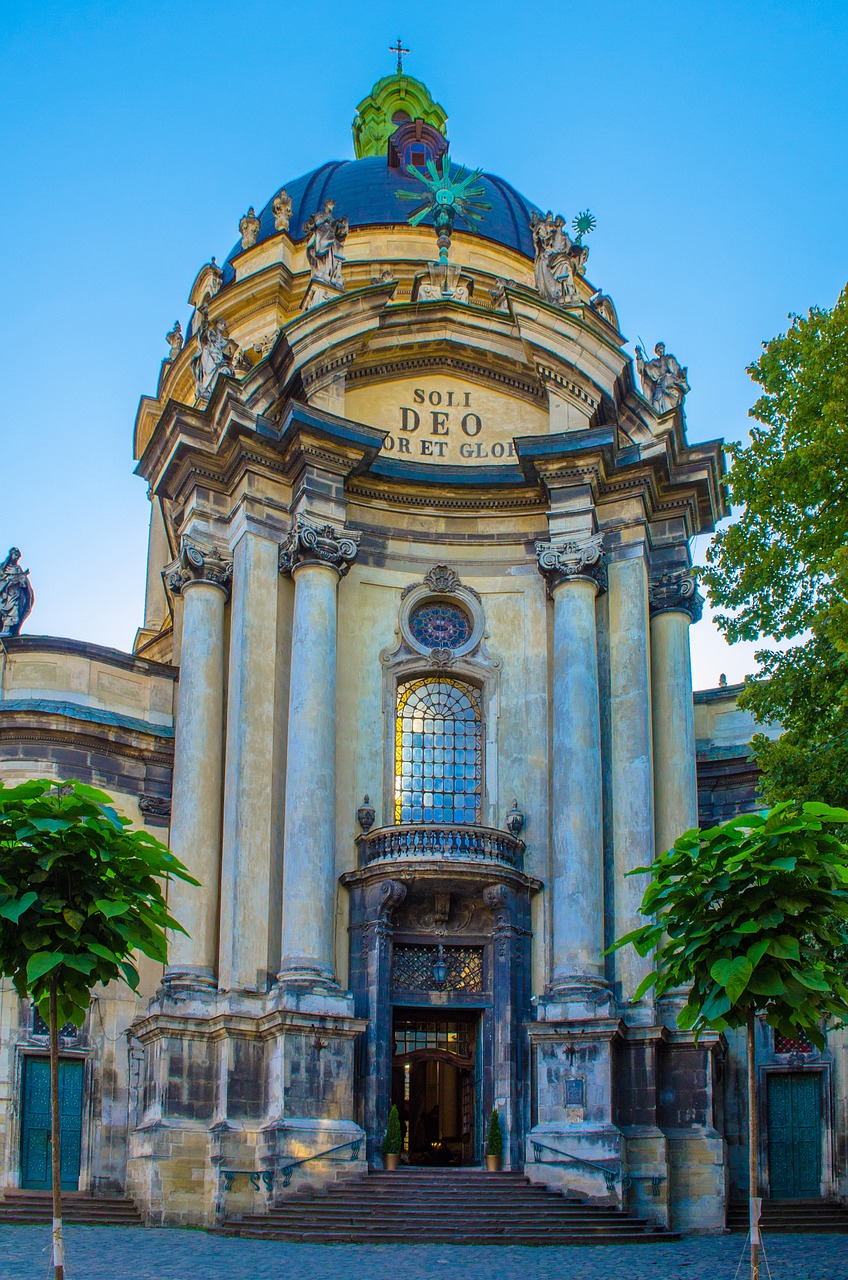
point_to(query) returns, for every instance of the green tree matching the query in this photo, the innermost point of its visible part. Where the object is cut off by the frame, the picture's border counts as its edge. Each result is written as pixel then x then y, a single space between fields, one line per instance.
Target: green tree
pixel 752 917
pixel 781 569
pixel 79 894
pixel 494 1136
pixel 392 1140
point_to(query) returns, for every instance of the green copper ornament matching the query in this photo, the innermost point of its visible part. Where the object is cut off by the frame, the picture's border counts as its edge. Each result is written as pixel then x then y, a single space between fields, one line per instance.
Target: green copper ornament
pixel 449 196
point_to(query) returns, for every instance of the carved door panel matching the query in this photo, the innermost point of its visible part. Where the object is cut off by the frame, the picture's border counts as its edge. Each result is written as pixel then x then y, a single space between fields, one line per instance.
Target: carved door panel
pixel 35 1128
pixel 794 1135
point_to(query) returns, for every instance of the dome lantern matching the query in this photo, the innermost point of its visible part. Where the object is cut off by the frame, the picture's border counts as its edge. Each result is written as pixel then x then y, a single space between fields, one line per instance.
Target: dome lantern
pixel 394 100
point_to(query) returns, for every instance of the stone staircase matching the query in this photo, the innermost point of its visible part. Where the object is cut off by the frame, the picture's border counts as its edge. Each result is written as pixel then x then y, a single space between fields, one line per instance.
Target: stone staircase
pixel 468 1206
pixel 792 1215
pixel 37 1206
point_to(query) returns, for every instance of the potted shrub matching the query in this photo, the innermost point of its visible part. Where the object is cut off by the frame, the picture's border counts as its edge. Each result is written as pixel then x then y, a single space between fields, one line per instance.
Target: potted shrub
pixel 494 1143
pixel 391 1142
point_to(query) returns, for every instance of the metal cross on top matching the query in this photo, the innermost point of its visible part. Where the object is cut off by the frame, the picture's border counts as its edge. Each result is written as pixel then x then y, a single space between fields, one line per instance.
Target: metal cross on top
pixel 400 51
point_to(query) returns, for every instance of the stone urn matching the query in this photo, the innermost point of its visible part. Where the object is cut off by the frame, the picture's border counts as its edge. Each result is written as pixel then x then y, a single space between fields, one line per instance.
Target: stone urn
pixel 493 1164
pixel 391 1160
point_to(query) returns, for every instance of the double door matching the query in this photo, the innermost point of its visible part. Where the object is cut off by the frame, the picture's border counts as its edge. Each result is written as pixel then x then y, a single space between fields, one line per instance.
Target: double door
pixel 36 1144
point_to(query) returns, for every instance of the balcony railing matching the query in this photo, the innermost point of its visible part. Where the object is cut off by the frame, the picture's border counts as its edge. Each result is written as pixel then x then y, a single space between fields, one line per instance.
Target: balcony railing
pixel 440 842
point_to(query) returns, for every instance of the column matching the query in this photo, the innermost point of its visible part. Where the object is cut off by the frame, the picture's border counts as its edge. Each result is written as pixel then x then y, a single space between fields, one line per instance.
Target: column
pixel 316 556
pixel 575 572
pixel 675 604
pixel 248 870
pixel 202 578
pixel 631 752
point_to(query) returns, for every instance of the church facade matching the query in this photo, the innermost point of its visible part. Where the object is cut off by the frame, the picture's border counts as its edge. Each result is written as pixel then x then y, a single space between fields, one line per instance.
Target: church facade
pixel 411 698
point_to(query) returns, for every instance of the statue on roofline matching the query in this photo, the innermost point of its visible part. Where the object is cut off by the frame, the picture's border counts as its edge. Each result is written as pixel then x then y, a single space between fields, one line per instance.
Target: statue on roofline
pixel 282 210
pixel 324 246
pixel 216 354
pixel 559 259
pixel 664 381
pixel 249 227
pixel 16 594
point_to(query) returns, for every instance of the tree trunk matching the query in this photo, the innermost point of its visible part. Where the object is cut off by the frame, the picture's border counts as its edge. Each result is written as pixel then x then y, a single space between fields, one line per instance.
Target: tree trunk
pixel 58 1243
pixel 754 1202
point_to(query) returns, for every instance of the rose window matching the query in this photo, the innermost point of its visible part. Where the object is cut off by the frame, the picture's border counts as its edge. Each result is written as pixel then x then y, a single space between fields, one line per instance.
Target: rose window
pixel 440 625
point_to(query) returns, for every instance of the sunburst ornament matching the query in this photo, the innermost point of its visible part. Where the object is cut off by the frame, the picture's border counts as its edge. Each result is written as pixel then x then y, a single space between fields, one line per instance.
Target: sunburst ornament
pixel 584 224
pixel 449 196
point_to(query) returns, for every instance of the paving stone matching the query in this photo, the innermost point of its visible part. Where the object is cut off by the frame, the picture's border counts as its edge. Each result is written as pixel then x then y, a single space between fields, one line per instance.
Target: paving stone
pixel 116 1253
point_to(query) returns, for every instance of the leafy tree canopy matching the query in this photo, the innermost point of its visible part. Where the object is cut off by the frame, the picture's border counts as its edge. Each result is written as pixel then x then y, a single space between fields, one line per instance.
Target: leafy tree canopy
pixel 781 569
pixel 79 893
pixel 752 915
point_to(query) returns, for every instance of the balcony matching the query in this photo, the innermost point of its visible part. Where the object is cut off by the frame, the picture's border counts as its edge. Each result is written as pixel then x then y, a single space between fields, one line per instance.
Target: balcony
pixel 438 842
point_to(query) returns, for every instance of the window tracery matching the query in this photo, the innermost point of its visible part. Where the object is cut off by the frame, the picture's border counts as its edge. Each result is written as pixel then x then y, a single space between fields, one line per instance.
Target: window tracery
pixel 438 752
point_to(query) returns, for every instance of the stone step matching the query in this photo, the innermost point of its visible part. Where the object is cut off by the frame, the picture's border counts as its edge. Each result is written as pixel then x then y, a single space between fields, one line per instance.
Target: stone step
pixel 77 1207
pixel 610 1222
pixel 466 1235
pixel 412 1206
pixel 792 1216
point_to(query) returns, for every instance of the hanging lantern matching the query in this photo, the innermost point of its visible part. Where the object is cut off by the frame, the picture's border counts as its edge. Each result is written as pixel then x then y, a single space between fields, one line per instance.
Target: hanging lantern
pixel 440 968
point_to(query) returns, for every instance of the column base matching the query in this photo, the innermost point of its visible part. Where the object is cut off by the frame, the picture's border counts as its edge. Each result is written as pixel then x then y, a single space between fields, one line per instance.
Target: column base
pixel 310 989
pixel 189 979
pixel 575 998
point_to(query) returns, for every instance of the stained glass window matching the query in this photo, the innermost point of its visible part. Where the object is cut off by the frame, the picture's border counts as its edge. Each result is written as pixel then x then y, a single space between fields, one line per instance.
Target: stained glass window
pixel 438 752
pixel 437 625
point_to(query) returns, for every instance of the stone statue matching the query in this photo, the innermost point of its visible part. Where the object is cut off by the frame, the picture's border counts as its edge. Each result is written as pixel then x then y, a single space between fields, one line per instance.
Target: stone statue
pixel 249 228
pixel 324 246
pixel 664 381
pixel 16 594
pixel 216 354
pixel 174 340
pixel 559 259
pixel 282 210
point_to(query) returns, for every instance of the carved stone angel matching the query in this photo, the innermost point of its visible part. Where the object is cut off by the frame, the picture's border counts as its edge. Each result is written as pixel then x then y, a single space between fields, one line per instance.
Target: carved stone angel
pixel 664 381
pixel 559 259
pixel 16 594
pixel 249 228
pixel 282 210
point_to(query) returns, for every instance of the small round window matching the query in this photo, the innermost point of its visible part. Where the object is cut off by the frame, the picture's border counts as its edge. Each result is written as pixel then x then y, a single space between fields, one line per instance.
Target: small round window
pixel 439 625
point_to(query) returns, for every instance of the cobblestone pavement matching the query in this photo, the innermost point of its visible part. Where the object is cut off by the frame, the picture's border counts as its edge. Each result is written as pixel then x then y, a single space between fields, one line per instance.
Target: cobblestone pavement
pixel 132 1253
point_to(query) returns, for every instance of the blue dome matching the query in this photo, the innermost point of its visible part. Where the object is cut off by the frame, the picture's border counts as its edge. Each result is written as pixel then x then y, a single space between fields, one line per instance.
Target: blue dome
pixel 365 193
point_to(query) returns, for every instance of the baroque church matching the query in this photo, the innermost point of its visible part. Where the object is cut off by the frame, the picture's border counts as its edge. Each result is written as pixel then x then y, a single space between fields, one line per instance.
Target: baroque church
pixel 411 697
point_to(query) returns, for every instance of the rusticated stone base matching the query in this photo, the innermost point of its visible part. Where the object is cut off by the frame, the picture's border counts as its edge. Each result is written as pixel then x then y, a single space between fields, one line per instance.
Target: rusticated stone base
pixel 234 1088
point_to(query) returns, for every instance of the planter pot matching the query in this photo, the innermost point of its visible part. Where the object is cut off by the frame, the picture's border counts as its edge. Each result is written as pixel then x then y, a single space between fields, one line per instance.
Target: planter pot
pixel 391 1160
pixel 493 1164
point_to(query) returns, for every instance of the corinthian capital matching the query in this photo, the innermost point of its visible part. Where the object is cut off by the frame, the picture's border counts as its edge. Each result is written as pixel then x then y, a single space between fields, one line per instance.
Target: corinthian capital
pixel 318 544
pixel 198 564
pixel 568 558
pixel 676 591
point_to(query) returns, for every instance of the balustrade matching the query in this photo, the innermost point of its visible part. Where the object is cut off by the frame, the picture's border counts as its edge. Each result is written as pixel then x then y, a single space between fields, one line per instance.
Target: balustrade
pixel 439 841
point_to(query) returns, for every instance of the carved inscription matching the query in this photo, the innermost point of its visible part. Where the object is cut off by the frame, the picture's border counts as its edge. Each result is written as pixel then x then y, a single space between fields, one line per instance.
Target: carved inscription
pixel 436 419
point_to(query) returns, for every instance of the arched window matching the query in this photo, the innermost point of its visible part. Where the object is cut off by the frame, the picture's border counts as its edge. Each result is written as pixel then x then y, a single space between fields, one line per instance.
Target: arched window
pixel 438 751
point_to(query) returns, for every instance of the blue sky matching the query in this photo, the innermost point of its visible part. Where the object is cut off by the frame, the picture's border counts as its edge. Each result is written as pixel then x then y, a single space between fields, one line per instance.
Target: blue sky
pixel 709 140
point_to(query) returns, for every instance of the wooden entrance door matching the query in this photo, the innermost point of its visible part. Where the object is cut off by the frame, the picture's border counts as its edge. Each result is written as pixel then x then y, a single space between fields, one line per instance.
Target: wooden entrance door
pixel 35 1128
pixel 794 1135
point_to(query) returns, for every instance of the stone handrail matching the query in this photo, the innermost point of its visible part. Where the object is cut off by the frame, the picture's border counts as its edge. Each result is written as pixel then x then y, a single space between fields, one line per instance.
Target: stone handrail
pixel 610 1174
pixel 464 843
pixel 254 1176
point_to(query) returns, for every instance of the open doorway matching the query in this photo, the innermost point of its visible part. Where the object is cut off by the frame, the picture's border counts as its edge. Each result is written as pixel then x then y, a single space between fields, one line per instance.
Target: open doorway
pixel 436 1086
